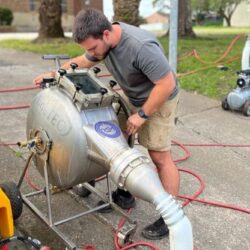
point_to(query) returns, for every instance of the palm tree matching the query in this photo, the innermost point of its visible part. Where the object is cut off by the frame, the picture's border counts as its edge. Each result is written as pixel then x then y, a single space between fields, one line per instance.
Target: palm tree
pixel 127 11
pixel 50 13
pixel 184 19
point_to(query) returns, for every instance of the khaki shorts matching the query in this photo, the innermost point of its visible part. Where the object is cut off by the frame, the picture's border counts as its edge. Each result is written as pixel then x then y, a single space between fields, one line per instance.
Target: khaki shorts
pixel 157 131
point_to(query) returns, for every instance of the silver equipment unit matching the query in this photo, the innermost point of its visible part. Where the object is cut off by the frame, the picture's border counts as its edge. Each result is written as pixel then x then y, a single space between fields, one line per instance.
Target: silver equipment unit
pixel 74 135
pixel 239 98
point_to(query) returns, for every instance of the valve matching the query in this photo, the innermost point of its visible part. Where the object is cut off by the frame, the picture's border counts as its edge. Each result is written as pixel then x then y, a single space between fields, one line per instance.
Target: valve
pixel 29 144
pixel 96 70
pixel 74 66
pixel 47 82
pixel 103 91
pixel 112 83
pixel 78 87
pixel 62 72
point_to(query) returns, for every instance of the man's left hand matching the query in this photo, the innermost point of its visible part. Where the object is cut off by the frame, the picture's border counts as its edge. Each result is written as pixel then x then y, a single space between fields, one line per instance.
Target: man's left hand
pixel 134 122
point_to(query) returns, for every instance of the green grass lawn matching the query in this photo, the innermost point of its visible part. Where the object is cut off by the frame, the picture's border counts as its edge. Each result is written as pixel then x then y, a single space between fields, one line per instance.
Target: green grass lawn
pixel 210 44
pixel 53 46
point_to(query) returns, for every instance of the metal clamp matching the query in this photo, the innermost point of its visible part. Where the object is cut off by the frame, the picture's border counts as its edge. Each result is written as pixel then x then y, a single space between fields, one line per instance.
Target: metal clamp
pixel 131 166
pixel 125 233
pixel 43 144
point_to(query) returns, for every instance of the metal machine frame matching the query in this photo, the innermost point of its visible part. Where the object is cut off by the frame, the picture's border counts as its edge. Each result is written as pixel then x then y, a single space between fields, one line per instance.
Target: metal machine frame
pixel 42 145
pixel 125 164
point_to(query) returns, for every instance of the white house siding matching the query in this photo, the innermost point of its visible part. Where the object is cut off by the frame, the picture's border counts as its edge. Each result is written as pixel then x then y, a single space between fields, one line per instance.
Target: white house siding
pixel 30 21
pixel 241 16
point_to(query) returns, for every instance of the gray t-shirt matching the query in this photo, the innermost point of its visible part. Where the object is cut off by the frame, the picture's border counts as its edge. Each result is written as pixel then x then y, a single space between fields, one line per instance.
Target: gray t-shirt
pixel 136 62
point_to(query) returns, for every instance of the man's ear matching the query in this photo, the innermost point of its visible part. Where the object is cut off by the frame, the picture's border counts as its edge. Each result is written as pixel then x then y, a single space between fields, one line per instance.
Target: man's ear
pixel 106 35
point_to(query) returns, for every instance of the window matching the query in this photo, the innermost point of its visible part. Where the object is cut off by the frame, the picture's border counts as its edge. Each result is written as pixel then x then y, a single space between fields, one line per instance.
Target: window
pixel 32 5
pixel 64 6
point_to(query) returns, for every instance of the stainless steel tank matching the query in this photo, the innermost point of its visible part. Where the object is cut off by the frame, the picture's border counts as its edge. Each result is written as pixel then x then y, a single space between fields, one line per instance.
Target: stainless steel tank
pixel 61 111
pixel 238 97
pixel 75 119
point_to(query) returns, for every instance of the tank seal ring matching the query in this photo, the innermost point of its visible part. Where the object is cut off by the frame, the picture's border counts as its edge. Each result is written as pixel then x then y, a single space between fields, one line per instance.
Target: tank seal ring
pixel 107 129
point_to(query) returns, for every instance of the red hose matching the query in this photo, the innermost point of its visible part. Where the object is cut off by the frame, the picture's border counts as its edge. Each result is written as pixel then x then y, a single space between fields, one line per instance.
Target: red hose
pixel 30 182
pixel 104 75
pixel 196 194
pixel 214 145
pixel 217 204
pixel 88 247
pixel 187 155
pixel 23 88
pixel 122 221
pixel 139 243
pixel 188 198
pixel 20 106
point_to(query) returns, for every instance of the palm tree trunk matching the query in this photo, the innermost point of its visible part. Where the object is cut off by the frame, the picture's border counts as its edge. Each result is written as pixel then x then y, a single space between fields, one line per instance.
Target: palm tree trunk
pixel 184 19
pixel 127 11
pixel 50 13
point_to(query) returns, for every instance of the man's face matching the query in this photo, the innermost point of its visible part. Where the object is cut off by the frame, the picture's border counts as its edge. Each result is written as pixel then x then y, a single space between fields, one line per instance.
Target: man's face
pixel 96 47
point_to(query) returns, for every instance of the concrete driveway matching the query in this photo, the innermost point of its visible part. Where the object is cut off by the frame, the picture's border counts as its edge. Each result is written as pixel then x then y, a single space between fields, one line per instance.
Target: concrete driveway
pixel 225 170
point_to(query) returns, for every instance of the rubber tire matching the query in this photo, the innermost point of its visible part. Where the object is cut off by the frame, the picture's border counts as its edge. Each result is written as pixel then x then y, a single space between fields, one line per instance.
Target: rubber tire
pixel 246 108
pixel 14 195
pixel 224 103
pixel 82 191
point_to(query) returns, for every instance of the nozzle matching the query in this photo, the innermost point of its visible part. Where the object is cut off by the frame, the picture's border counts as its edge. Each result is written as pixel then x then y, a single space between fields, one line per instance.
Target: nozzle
pixel 29 144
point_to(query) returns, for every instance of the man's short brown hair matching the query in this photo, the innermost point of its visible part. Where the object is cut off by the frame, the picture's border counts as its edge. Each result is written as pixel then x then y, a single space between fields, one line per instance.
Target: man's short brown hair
pixel 90 23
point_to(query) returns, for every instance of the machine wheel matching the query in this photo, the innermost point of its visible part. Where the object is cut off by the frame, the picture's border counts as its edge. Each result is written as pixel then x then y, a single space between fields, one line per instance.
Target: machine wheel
pixel 246 108
pixel 82 191
pixel 14 195
pixel 224 103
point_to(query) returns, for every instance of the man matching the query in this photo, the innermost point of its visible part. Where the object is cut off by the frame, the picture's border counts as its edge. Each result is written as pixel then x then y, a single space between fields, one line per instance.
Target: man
pixel 137 62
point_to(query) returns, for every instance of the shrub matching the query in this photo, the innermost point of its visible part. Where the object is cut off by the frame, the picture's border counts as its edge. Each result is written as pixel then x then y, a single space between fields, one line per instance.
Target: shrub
pixel 6 16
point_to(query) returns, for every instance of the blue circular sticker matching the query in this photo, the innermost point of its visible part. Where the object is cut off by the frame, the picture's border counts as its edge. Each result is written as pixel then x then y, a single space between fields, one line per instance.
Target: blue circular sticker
pixel 107 129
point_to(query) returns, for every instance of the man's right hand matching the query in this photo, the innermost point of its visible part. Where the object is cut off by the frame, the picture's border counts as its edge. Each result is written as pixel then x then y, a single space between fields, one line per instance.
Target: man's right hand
pixel 38 80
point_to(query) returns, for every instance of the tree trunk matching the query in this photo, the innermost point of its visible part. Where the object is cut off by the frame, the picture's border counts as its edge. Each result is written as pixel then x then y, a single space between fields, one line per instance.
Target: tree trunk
pixel 184 19
pixel 228 21
pixel 50 13
pixel 127 11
